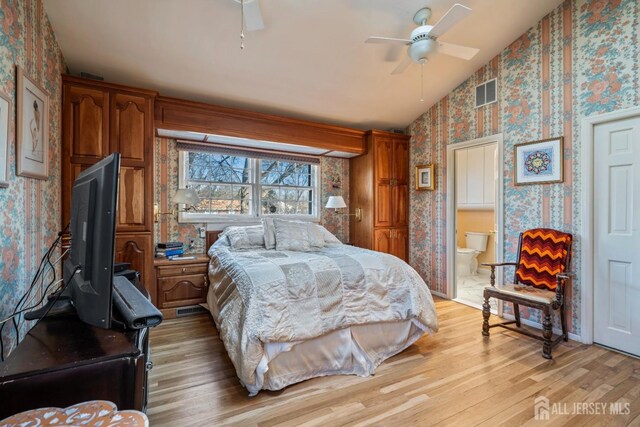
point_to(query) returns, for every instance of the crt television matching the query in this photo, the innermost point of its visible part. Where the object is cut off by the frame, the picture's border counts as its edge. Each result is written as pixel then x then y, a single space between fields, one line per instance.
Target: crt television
pixel 88 270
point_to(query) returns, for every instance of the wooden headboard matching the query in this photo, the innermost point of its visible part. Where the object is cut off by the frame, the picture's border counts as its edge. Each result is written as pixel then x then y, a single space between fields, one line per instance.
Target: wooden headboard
pixel 212 236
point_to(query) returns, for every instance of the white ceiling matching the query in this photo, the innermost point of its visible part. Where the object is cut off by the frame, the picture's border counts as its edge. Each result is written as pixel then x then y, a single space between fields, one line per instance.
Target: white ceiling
pixel 309 62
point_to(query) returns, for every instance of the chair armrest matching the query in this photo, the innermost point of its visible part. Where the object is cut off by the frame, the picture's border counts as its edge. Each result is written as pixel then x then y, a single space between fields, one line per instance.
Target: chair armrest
pixel 561 278
pixel 493 266
pixel 498 264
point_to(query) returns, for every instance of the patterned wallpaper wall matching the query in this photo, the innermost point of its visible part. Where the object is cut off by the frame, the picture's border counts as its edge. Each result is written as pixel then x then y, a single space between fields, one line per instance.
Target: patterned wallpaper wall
pixel 333 170
pixel 30 213
pixel 580 60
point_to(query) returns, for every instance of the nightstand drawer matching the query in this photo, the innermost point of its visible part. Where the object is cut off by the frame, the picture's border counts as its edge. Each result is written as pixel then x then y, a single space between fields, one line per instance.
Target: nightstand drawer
pixel 182 291
pixel 182 270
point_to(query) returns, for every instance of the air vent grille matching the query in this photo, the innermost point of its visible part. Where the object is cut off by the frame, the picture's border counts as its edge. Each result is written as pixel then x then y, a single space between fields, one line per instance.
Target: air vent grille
pixel 188 311
pixel 487 93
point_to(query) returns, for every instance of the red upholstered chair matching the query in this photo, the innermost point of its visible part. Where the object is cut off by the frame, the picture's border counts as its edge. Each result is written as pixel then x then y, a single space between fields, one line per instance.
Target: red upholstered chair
pixel 539 281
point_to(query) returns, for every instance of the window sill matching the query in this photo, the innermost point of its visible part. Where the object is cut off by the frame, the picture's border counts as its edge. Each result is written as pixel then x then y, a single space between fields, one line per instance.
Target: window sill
pixel 235 220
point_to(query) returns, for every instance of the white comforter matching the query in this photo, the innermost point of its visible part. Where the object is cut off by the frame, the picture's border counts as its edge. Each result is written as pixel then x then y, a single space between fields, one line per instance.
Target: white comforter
pixel 268 296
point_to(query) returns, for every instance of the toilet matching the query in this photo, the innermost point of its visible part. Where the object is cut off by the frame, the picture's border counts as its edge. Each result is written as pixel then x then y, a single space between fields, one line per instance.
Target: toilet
pixel 467 258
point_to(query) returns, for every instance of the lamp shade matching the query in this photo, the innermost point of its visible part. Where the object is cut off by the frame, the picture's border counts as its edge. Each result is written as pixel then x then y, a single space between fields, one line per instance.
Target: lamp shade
pixel 336 202
pixel 186 196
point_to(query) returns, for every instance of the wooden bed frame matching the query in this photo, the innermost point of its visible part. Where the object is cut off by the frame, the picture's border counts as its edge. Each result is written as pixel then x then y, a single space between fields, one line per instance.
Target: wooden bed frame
pixel 212 236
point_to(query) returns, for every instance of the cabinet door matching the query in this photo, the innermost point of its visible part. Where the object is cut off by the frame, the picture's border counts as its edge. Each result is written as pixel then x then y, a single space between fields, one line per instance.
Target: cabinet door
pixel 399 243
pixel 138 250
pixel 461 177
pixel 400 184
pixel 179 291
pixel 131 126
pixel 382 240
pixel 383 174
pixel 489 174
pixel 475 176
pixel 85 123
pixel 132 199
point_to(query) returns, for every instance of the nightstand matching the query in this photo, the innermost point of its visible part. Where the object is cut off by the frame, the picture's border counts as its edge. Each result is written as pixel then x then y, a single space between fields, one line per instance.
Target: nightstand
pixel 181 283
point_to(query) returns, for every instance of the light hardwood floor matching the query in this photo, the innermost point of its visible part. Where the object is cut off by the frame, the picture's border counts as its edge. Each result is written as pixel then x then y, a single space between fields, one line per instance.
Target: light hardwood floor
pixel 455 377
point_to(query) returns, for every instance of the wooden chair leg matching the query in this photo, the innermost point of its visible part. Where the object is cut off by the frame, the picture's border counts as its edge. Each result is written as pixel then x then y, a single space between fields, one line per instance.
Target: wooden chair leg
pixel 516 312
pixel 563 320
pixel 486 313
pixel 547 333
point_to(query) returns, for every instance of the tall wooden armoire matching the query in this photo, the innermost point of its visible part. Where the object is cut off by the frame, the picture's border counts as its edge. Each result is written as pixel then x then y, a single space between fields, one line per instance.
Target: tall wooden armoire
pixel 100 118
pixel 379 186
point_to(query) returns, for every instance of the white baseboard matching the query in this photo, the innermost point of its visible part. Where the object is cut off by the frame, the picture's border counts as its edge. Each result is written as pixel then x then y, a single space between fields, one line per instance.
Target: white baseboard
pixel 537 325
pixel 439 294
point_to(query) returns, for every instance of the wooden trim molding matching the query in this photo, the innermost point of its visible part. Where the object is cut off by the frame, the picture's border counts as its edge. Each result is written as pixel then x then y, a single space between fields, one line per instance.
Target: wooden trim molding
pixel 181 115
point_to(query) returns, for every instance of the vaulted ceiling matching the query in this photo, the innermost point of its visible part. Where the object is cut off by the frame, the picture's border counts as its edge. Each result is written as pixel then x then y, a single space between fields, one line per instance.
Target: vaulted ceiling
pixel 309 62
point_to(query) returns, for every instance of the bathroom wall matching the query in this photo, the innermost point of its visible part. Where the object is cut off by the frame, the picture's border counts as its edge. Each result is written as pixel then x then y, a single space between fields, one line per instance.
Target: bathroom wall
pixel 479 221
pixel 334 181
pixel 29 208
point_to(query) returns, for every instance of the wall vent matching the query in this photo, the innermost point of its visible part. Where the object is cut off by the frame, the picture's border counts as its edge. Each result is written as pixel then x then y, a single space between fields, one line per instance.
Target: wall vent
pixel 487 93
pixel 188 311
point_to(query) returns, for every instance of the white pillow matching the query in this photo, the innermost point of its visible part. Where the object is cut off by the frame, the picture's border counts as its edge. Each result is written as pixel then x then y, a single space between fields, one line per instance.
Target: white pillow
pixel 329 238
pixel 249 237
pixel 292 236
pixel 316 238
pixel 269 233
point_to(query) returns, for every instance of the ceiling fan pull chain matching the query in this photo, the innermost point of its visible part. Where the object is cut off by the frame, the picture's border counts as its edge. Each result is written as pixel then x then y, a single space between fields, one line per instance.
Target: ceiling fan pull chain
pixel 241 24
pixel 422 82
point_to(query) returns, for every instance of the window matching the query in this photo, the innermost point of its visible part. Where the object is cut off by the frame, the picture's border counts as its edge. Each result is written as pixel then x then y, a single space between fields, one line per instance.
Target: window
pixel 232 186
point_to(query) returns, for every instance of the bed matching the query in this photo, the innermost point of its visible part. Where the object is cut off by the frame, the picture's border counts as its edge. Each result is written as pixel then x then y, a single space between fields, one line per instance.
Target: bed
pixel 285 316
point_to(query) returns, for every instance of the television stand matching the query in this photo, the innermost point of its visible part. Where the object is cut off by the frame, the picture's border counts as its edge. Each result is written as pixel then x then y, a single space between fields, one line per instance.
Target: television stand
pixel 63 361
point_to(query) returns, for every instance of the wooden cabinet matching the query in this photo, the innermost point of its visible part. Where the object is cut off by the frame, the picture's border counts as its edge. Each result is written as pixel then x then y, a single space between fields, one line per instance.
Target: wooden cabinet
pixel 380 187
pixel 98 119
pixel 181 283
pixel 475 177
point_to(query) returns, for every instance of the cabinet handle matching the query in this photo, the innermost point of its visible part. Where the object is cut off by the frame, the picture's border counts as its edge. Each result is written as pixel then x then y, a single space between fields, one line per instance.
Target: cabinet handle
pixel 184 270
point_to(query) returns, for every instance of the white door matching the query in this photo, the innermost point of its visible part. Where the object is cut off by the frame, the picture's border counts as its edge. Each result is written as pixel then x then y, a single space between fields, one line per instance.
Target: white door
pixel 617 235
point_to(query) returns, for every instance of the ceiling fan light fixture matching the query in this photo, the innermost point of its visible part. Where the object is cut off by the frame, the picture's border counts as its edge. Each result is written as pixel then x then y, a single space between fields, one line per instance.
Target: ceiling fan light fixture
pixel 419 51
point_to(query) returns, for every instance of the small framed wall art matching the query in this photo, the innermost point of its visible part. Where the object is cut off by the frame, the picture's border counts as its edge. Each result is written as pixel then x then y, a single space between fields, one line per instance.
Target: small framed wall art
pixel 32 130
pixel 425 177
pixel 539 162
pixel 5 113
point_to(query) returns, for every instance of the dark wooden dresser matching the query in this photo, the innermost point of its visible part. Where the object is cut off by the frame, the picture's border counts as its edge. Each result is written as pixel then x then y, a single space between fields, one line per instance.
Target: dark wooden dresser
pixel 64 361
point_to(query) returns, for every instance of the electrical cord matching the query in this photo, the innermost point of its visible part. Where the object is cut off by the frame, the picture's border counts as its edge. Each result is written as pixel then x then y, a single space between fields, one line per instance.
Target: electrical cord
pixel 6 319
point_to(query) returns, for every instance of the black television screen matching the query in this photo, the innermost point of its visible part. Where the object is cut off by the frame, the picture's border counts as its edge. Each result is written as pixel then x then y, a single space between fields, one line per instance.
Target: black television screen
pixel 88 270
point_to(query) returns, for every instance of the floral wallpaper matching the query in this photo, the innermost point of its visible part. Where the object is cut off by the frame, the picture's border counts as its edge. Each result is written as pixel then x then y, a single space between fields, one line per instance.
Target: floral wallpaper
pixel 30 214
pixel 334 181
pixel 581 59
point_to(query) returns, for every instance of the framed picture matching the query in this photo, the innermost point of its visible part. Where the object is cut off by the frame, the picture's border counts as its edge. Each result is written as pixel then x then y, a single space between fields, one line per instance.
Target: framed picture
pixel 424 177
pixel 32 130
pixel 5 113
pixel 539 162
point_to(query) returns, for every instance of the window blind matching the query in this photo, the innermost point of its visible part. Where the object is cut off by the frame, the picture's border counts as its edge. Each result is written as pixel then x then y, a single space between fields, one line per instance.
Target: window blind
pixel 255 153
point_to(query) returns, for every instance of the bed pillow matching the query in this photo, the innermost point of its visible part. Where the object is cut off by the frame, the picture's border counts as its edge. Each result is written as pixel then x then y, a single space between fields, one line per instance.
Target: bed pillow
pixel 329 238
pixel 250 237
pixel 292 235
pixel 269 233
pixel 316 238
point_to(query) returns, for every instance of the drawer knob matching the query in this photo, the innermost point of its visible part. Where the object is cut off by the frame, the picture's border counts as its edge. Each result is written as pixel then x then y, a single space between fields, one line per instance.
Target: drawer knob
pixel 184 269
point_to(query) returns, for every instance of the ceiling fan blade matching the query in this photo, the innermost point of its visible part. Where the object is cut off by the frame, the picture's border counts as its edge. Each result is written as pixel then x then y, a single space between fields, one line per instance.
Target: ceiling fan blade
pixel 387 40
pixel 252 15
pixel 458 51
pixel 454 15
pixel 402 66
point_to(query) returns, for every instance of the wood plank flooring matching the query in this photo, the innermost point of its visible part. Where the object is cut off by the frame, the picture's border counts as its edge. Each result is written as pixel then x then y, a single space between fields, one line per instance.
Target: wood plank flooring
pixel 455 377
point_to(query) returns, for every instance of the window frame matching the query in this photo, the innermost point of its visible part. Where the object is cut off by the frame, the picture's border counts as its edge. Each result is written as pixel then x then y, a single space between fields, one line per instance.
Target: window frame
pixel 256 202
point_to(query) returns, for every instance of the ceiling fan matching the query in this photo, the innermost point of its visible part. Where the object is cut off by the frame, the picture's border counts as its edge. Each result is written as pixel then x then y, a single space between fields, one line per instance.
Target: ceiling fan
pixel 250 17
pixel 423 41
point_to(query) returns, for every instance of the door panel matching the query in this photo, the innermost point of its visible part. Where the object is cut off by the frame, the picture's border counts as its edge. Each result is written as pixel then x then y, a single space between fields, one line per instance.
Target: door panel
pixel 475 176
pixel 489 174
pixel 461 177
pixel 86 122
pixel 131 118
pixel 131 199
pixel 401 162
pixel 399 243
pixel 138 250
pixel 617 238
pixel 382 240
pixel 400 205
